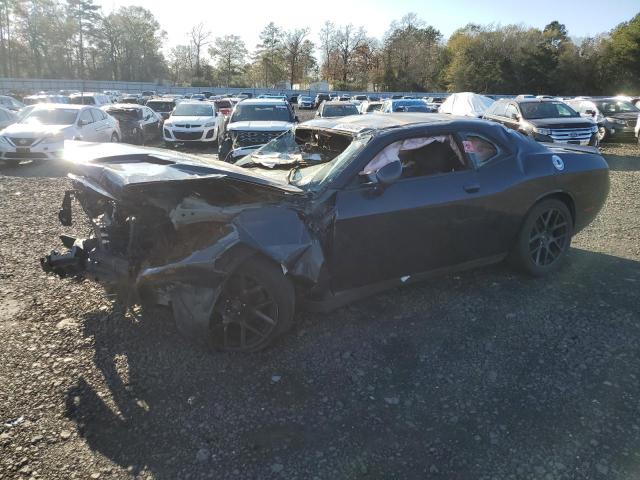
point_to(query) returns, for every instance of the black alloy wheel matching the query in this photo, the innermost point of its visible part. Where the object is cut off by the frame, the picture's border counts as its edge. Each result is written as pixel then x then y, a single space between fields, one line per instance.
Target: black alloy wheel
pixel 255 307
pixel 548 237
pixel 544 238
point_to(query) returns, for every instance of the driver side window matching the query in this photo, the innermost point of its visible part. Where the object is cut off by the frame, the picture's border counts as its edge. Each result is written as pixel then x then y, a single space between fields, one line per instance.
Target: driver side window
pixel 85 118
pixel 511 111
pixel 420 156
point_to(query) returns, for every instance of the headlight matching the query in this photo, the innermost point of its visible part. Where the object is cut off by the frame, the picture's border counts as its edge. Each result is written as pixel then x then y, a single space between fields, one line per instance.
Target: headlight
pixel 542 131
pixel 615 120
pixel 594 129
pixel 58 137
pixel 210 124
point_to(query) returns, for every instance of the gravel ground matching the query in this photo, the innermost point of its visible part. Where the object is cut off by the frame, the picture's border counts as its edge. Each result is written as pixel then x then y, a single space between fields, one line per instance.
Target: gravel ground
pixel 482 375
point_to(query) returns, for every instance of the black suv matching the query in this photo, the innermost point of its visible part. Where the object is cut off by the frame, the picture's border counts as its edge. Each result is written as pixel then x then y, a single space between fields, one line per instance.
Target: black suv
pixel 321 97
pixel 616 117
pixel 544 120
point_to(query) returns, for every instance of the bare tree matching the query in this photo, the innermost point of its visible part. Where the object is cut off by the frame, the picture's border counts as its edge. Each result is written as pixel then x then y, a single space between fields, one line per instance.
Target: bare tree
pixel 347 41
pixel 199 39
pixel 294 48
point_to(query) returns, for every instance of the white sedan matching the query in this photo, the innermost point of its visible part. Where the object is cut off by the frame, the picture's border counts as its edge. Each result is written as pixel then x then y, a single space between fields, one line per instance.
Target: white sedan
pixel 40 135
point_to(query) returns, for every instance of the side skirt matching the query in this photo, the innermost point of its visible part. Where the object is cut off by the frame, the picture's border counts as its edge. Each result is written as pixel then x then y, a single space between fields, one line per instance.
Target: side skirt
pixel 338 299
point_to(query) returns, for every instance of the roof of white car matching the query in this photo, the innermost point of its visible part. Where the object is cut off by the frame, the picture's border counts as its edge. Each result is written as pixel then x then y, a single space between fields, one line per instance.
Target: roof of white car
pixel 264 101
pixel 86 94
pixel 193 102
pixel 65 106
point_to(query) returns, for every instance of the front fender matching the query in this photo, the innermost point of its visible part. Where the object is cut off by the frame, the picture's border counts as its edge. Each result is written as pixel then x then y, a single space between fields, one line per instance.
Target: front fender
pixel 194 283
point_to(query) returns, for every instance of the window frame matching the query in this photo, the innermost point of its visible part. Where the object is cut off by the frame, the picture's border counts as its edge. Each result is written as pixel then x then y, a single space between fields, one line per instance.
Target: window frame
pixel 86 111
pixel 491 160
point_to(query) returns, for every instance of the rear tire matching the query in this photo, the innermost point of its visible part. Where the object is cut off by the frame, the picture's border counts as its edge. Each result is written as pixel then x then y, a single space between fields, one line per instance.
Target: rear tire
pixel 544 238
pixel 256 307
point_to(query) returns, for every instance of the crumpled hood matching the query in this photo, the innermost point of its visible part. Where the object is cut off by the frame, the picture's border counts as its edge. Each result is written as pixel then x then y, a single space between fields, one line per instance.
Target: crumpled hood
pixel 119 169
pixel 261 126
pixel 201 120
pixel 27 130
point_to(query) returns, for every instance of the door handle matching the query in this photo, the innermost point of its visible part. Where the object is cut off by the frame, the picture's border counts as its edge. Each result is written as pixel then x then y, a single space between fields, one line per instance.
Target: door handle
pixel 471 188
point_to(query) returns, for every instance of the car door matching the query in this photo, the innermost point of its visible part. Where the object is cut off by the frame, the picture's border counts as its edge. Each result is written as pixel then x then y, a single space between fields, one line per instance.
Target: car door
pixel 420 223
pixel 102 128
pixel 87 126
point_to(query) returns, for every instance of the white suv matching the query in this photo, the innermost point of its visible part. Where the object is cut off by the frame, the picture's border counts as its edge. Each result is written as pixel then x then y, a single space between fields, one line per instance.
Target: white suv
pixel 191 121
pixel 41 134
pixel 253 123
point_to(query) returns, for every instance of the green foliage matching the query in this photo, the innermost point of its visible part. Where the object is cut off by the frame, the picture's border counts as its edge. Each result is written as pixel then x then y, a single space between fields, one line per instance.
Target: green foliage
pixel 73 39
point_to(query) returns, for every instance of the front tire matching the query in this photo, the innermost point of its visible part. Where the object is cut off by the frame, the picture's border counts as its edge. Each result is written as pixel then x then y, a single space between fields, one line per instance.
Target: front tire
pixel 114 138
pixel 544 238
pixel 256 306
pixel 602 134
pixel 224 149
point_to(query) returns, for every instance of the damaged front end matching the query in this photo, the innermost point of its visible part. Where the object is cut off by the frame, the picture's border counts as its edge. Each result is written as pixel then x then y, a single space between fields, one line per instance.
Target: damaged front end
pixel 175 241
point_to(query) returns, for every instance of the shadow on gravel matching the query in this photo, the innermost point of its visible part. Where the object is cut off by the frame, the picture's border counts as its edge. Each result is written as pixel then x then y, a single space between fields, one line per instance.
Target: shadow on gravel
pixel 623 163
pixel 485 374
pixel 38 169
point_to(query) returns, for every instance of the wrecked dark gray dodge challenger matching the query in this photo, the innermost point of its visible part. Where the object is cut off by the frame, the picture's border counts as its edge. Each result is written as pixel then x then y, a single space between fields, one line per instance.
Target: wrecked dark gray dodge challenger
pixel 324 214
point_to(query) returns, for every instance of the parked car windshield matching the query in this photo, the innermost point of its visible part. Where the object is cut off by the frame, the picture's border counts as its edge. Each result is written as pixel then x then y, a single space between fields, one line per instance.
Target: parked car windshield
pixel 305 99
pixel 534 110
pixel 608 107
pixel 193 110
pixel 161 106
pixel 82 100
pixel 125 114
pixel 277 113
pixel 46 116
pixel 339 110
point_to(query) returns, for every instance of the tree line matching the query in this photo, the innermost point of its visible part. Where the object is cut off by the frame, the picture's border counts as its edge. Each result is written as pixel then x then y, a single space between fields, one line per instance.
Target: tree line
pixel 74 39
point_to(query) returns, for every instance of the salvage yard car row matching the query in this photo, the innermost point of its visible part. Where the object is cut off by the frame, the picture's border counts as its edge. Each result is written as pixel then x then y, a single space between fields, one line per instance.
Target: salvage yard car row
pixel 179 121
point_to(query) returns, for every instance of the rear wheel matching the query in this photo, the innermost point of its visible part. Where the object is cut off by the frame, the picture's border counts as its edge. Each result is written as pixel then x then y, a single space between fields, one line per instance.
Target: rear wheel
pixel 255 307
pixel 544 238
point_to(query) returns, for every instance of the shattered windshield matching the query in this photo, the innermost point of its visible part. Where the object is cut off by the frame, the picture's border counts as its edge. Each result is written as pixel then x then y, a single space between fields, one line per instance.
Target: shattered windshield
pixel 312 156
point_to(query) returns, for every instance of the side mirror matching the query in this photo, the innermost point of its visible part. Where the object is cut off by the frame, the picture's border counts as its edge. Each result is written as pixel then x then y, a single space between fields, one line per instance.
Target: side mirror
pixel 82 123
pixel 318 113
pixel 389 174
pixel 515 116
pixel 590 112
pixel 296 119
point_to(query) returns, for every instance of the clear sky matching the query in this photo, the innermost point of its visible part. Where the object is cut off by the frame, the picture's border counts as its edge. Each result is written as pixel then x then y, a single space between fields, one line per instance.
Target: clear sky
pixel 247 18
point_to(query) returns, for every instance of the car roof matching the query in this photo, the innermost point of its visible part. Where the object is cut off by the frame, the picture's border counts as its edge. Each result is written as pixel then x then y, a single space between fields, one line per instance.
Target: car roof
pixel 128 106
pixel 86 94
pixel 65 106
pixel 387 120
pixel 263 101
pixel 336 102
pixel 192 102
